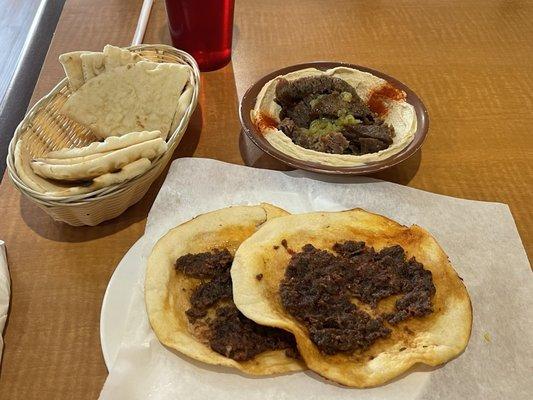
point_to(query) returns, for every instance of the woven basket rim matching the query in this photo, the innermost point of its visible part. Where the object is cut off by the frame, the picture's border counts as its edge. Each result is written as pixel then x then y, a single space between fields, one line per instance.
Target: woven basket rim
pixel 172 140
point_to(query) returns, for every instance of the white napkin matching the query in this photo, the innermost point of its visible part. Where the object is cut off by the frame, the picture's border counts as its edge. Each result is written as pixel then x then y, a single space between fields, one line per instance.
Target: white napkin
pixel 4 292
pixel 480 238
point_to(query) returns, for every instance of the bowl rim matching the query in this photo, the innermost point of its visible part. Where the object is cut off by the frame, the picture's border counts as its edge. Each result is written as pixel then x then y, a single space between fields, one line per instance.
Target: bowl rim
pixel 248 100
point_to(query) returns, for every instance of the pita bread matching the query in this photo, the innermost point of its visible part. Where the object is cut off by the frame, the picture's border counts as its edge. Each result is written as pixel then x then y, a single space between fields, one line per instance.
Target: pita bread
pixel 81 66
pixel 72 65
pixel 433 339
pixel 109 144
pixel 26 174
pixel 69 161
pixel 59 189
pixel 129 171
pixel 92 64
pixel 183 103
pixel 92 166
pixel 116 57
pixel 167 292
pixel 96 63
pixel 135 97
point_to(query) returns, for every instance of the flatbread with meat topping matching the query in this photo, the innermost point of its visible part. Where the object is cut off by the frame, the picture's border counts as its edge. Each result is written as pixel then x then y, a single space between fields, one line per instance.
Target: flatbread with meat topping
pixel 365 297
pixel 189 301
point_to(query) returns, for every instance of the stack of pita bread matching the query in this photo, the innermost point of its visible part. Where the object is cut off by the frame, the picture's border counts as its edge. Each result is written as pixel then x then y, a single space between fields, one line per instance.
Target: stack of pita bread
pixel 128 102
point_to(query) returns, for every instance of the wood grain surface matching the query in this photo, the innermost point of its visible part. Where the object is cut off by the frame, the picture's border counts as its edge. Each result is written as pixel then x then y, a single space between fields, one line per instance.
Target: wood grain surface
pixel 470 62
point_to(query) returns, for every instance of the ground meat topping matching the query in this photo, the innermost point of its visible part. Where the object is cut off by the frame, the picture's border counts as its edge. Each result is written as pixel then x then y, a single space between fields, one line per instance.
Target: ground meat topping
pixel 325 114
pixel 205 265
pixel 230 332
pixel 208 294
pixel 237 337
pixel 319 285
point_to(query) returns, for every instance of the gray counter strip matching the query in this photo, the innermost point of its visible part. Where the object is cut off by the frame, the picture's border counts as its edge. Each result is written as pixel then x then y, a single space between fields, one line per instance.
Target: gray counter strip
pixel 18 95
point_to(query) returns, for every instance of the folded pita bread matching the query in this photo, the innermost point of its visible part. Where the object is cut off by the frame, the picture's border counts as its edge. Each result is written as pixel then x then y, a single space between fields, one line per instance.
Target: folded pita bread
pixel 116 57
pixel 109 144
pixel 92 64
pixel 129 171
pixel 96 63
pixel 30 178
pixel 72 65
pixel 81 66
pixel 183 103
pixel 58 189
pixel 92 166
pixel 69 161
pixel 167 292
pixel 135 97
pixel 433 339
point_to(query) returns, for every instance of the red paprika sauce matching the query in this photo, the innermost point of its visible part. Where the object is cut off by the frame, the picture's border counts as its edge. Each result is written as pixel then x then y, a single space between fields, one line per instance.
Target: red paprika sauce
pixel 264 122
pixel 379 97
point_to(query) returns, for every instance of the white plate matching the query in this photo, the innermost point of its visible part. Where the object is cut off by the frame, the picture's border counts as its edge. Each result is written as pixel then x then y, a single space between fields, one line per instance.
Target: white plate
pixel 117 300
pixel 116 304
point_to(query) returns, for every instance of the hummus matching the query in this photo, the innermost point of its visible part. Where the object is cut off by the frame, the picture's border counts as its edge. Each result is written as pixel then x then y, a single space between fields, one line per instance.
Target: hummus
pixel 394 111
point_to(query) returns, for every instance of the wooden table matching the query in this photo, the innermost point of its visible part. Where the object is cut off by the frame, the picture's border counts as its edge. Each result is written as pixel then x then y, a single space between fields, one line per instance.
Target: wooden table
pixel 470 61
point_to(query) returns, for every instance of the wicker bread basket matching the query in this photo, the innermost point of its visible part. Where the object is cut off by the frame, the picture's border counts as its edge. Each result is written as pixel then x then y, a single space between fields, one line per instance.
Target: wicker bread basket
pixel 44 129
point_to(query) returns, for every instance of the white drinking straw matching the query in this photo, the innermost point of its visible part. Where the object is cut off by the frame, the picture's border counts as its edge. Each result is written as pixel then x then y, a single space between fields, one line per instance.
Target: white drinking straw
pixel 141 22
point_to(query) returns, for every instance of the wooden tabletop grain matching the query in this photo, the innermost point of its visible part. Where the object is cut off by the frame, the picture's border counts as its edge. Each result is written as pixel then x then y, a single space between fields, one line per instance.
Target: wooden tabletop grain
pixel 470 61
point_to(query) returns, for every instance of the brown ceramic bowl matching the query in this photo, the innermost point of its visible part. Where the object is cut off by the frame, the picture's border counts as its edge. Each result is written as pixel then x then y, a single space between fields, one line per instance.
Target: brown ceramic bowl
pixel 248 103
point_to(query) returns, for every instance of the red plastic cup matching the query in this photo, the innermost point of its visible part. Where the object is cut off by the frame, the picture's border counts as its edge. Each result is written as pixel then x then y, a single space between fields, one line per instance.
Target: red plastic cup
pixel 203 28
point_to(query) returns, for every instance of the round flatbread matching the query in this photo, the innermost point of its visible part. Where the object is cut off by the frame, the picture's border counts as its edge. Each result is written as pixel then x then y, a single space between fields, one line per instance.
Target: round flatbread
pixel 398 113
pixel 168 292
pixel 431 339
